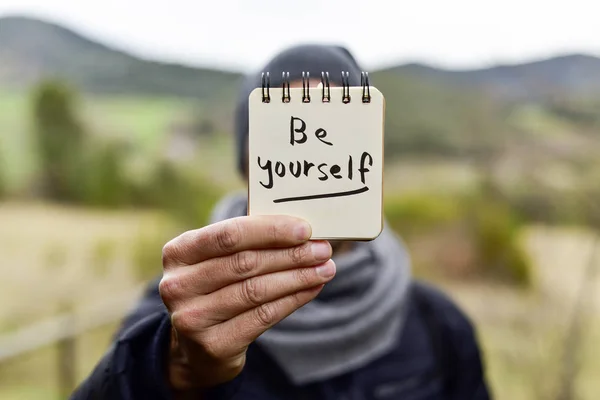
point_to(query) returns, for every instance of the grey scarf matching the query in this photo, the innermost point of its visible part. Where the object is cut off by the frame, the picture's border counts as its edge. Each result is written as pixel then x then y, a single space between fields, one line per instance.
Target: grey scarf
pixel 356 318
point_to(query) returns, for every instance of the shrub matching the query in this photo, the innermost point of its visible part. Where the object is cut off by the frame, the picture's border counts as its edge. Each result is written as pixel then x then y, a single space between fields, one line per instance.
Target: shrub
pixel 496 230
pixel 101 179
pixel 3 188
pixel 59 137
pixel 79 169
pixel 539 204
pixel 186 196
pixel 473 229
pixel 418 212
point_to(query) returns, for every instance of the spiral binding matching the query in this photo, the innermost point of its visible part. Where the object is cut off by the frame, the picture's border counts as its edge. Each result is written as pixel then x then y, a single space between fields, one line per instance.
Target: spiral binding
pixel 345 88
pixel 266 86
pixel 285 78
pixel 326 88
pixel 364 82
pixel 305 87
pixel 326 98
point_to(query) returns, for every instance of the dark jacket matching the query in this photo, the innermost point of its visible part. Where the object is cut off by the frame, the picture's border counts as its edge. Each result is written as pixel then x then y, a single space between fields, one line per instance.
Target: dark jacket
pixel 437 357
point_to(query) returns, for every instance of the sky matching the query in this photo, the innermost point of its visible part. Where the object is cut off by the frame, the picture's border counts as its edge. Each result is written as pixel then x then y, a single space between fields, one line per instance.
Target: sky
pixel 242 34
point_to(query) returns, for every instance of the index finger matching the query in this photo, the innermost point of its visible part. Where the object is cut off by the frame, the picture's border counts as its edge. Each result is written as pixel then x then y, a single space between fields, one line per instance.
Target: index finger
pixel 235 235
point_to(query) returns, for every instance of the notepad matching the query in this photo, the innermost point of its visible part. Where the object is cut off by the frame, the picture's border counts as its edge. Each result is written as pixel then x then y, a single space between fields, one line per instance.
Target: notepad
pixel 320 160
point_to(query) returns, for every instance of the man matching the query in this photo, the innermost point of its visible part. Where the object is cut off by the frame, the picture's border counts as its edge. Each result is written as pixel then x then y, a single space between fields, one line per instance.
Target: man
pixel 248 307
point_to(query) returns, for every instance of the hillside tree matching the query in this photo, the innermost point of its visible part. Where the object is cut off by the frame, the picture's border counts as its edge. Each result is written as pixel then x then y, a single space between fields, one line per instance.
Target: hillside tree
pixel 59 137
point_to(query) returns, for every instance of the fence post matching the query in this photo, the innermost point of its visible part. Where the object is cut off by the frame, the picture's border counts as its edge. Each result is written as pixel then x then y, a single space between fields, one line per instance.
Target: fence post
pixel 67 356
pixel 575 334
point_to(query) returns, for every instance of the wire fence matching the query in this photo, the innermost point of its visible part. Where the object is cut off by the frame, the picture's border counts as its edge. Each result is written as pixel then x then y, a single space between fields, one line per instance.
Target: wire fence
pixel 63 330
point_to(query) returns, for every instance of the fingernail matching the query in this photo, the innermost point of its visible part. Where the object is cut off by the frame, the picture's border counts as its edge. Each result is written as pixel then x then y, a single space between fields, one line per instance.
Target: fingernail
pixel 326 270
pixel 321 250
pixel 302 231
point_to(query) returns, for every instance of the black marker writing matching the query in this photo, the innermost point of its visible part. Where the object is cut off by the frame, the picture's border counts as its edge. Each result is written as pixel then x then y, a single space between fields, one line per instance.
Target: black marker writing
pixel 362 168
pixel 350 167
pixel 267 167
pixel 320 133
pixel 323 170
pixel 280 169
pixel 335 171
pixel 307 167
pixel 294 130
pixel 298 168
pixel 323 176
pixel 322 196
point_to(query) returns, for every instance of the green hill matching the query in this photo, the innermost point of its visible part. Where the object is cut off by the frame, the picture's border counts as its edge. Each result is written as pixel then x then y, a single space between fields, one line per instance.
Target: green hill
pixel 573 75
pixel 31 49
pixel 429 110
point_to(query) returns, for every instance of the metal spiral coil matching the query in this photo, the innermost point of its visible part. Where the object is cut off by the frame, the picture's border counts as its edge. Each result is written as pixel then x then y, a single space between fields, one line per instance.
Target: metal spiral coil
pixel 305 87
pixel 345 87
pixel 325 87
pixel 266 86
pixel 364 82
pixel 326 97
pixel 285 83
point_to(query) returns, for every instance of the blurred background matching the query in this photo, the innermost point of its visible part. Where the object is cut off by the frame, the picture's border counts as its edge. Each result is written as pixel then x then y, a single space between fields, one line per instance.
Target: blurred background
pixel 116 135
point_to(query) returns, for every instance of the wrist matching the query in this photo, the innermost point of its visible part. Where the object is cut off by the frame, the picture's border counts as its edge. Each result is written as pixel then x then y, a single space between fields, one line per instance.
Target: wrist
pixel 179 369
pixel 187 383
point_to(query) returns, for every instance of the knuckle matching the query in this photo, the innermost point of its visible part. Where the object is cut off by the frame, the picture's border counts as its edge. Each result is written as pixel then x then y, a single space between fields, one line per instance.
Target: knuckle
pixel 265 314
pixel 168 289
pixel 173 251
pixel 169 253
pixel 252 291
pixel 228 237
pixel 181 322
pixel 298 253
pixel 188 321
pixel 305 276
pixel 244 263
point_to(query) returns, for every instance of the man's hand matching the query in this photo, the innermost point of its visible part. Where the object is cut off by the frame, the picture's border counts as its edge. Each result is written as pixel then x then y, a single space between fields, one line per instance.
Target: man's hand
pixel 226 284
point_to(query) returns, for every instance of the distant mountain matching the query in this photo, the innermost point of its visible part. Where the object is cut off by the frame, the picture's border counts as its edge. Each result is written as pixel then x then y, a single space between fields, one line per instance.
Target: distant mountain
pixel 430 110
pixel 569 75
pixel 31 49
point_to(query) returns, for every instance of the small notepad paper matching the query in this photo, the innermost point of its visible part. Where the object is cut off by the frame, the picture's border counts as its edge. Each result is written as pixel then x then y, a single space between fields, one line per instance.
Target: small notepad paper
pixel 320 160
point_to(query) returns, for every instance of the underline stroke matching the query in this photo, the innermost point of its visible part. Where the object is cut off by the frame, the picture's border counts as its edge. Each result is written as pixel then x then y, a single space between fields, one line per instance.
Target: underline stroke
pixel 322 196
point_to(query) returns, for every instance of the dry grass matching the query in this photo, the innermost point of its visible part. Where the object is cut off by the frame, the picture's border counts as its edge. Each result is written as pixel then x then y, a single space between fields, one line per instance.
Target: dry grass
pixel 34 376
pixel 523 333
pixel 53 255
pixel 430 177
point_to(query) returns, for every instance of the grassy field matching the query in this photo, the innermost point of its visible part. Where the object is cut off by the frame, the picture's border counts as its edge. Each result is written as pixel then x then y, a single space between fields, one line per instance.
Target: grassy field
pixel 140 121
pixel 522 332
pixel 16 148
pixel 56 256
